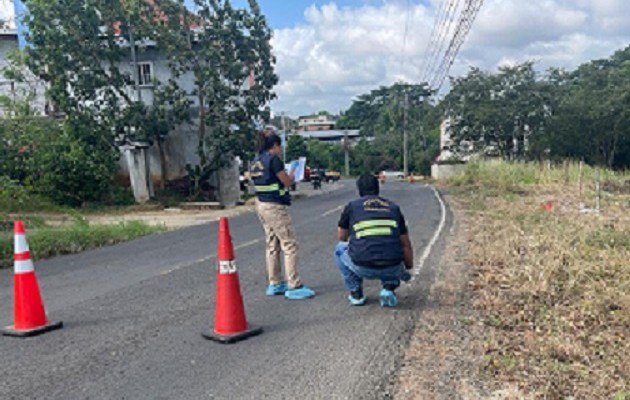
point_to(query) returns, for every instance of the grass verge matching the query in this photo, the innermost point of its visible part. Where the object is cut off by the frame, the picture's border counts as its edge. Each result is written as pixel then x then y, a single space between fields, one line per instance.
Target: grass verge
pixel 47 241
pixel 550 276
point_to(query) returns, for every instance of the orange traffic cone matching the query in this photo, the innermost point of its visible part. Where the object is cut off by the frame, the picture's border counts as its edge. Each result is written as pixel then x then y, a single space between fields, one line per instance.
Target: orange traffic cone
pixel 410 178
pixel 230 324
pixel 381 177
pixel 28 310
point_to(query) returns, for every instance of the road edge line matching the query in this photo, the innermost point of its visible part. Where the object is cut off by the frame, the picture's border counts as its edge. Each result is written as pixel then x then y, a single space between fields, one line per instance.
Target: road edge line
pixel 436 235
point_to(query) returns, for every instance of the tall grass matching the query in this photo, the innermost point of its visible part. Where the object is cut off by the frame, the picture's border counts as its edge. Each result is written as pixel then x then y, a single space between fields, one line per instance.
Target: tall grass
pixel 552 284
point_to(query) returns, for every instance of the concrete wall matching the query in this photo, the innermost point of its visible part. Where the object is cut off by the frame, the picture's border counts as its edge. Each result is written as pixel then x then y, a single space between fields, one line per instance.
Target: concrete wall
pixel 445 171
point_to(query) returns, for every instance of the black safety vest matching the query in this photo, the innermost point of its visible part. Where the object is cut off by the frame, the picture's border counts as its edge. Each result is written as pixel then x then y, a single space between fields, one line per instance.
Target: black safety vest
pixel 269 189
pixel 375 232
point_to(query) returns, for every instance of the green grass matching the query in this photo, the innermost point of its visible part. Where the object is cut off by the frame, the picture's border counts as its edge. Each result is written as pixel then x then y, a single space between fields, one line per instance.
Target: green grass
pixel 504 178
pixel 551 286
pixel 47 242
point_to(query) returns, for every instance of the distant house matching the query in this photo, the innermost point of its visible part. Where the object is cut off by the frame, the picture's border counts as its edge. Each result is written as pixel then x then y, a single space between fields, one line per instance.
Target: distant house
pixel 311 123
pixel 152 67
pixel 17 90
pixel 333 136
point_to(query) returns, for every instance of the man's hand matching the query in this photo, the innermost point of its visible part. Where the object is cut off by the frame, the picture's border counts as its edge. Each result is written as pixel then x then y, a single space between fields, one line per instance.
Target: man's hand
pixel 343 234
pixel 407 251
pixel 286 179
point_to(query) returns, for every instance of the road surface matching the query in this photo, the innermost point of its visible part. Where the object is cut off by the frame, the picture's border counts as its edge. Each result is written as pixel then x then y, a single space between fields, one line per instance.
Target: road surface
pixel 133 314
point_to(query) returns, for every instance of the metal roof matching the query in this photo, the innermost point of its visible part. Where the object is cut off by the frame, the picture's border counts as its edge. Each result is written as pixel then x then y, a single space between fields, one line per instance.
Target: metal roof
pixel 329 134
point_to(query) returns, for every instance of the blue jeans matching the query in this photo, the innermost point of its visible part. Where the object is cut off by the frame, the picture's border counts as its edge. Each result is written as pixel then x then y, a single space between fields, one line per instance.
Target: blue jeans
pixel 353 274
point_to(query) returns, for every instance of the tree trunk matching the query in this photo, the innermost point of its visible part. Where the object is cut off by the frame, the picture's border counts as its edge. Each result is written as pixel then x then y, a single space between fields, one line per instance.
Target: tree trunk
pixel 202 131
pixel 163 169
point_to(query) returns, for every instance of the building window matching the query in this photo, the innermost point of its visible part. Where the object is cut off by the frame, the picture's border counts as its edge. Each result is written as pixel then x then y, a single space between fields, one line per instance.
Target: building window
pixel 145 73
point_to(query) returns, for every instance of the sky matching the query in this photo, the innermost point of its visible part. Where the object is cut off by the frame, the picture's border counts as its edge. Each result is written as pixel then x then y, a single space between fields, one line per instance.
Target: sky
pixel 329 52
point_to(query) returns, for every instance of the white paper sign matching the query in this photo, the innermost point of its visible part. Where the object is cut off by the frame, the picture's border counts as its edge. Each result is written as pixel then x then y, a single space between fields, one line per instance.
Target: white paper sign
pixel 298 166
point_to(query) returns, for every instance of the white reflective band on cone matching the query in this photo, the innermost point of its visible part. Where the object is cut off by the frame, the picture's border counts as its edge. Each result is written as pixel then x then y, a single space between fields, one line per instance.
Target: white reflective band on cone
pixel 22 267
pixel 20 244
pixel 227 267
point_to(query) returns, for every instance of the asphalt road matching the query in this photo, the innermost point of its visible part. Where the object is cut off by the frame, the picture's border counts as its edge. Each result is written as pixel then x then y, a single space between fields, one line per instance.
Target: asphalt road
pixel 133 314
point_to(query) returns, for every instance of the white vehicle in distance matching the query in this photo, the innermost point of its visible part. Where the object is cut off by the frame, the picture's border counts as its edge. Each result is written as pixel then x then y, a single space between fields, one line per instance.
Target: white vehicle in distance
pixel 393 175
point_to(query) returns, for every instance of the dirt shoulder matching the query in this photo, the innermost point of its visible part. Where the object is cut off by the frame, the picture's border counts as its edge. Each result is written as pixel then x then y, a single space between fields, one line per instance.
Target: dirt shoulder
pixel 444 354
pixel 530 297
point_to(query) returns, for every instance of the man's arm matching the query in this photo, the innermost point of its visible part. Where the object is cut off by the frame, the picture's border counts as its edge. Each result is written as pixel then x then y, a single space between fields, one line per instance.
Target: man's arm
pixel 343 234
pixel 407 251
pixel 343 227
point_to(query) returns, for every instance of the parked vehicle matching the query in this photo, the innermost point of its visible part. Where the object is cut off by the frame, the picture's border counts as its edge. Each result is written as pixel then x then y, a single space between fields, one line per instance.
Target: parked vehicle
pixel 393 175
pixel 307 174
pixel 332 176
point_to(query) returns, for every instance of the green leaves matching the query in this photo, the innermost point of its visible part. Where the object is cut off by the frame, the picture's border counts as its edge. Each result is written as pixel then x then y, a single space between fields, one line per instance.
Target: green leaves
pixel 224 50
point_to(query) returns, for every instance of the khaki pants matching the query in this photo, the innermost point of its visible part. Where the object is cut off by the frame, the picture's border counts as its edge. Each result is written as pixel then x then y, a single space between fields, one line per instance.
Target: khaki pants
pixel 279 234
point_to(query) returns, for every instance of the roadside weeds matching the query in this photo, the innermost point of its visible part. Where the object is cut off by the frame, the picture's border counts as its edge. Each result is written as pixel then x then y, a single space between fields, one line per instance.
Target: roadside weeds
pixel 532 297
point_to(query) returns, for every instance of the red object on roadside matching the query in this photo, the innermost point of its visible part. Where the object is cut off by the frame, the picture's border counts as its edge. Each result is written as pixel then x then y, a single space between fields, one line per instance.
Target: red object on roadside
pixel 548 205
pixel 28 308
pixel 230 324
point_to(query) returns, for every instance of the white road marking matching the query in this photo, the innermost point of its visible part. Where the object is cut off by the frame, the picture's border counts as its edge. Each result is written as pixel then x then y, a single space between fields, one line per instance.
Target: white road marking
pixel 436 235
pixel 210 257
pixel 334 210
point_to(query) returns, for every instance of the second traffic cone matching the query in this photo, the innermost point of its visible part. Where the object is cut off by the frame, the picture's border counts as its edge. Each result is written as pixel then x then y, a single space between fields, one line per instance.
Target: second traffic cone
pixel 28 309
pixel 230 324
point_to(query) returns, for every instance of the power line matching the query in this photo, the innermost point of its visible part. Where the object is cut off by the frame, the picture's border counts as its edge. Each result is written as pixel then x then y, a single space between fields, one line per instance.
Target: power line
pixel 466 19
pixel 443 26
pixel 404 45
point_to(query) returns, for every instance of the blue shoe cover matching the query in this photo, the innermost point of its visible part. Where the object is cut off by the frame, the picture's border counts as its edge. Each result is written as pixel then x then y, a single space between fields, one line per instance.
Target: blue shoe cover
pixel 387 298
pixel 356 302
pixel 405 277
pixel 278 288
pixel 300 293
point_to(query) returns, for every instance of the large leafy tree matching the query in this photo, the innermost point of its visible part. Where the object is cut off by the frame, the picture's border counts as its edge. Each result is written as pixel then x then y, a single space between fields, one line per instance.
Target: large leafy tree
pixel 296 147
pixel 77 47
pixel 74 46
pixel 503 110
pixel 383 115
pixel 227 53
pixel 593 117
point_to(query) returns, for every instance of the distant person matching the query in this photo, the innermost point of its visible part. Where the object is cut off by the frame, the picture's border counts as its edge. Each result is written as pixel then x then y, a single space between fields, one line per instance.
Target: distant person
pixel 374 244
pixel 272 200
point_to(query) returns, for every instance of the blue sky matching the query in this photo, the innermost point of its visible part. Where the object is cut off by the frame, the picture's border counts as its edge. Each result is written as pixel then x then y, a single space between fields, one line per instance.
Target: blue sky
pixel 288 13
pixel 328 52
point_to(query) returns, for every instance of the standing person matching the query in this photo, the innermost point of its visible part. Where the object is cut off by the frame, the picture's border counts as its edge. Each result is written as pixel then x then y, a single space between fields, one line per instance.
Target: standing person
pixel 379 246
pixel 272 201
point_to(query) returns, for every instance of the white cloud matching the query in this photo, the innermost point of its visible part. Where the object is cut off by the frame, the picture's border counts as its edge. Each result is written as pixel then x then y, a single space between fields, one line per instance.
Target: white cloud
pixel 342 52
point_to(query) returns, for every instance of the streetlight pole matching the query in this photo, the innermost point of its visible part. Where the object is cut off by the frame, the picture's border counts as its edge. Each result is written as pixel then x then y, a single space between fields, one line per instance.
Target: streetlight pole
pixel 405 134
pixel 284 138
pixel 346 145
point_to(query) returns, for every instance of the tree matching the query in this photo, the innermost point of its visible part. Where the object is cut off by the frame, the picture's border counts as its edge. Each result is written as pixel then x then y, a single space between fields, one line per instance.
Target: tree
pixel 227 52
pixel 594 112
pixel 383 115
pixel 502 110
pixel 81 49
pixel 296 147
pixel 76 48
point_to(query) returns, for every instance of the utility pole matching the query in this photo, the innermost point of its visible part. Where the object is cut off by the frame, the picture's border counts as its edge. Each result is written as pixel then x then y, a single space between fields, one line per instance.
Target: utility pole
pixel 346 147
pixel 405 134
pixel 284 138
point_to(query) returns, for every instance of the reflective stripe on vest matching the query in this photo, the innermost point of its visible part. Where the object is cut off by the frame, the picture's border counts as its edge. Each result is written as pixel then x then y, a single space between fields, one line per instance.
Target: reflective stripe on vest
pixel 374 227
pixel 274 187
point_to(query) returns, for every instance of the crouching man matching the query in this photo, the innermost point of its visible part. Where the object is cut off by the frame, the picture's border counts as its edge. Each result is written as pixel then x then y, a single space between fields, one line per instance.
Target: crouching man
pixel 374 244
